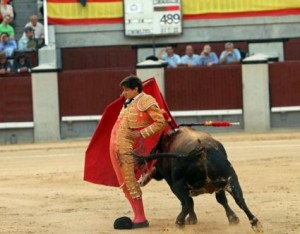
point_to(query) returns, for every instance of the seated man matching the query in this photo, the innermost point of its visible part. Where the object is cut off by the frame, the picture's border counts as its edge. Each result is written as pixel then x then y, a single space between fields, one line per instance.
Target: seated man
pixel 190 59
pixel 5 66
pixel 22 64
pixel 38 28
pixel 8 45
pixel 208 58
pixel 5 27
pixel 28 42
pixel 167 54
pixel 230 54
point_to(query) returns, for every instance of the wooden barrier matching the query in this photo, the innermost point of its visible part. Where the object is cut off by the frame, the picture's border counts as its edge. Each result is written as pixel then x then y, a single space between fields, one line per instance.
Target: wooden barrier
pixel 89 92
pixel 204 88
pixel 16 98
pixel 284 84
pixel 98 57
pixel 292 50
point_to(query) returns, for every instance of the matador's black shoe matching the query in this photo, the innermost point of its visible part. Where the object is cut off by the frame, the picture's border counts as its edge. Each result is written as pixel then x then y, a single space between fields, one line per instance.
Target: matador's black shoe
pixel 141 224
pixel 126 223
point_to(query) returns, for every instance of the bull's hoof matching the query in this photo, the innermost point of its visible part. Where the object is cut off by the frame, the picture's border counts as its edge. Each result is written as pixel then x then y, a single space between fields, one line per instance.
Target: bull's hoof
pixel 257 226
pixel 233 220
pixel 191 220
pixel 180 223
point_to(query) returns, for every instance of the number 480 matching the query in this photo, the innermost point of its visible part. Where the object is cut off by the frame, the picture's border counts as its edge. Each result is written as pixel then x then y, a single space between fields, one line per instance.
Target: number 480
pixel 170 19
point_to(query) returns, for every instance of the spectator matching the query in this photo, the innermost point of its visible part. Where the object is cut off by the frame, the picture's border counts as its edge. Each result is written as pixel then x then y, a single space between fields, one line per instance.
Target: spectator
pixel 167 54
pixel 22 64
pixel 8 45
pixel 230 54
pixel 6 9
pixel 38 28
pixel 208 58
pixel 5 27
pixel 190 59
pixel 28 42
pixel 5 66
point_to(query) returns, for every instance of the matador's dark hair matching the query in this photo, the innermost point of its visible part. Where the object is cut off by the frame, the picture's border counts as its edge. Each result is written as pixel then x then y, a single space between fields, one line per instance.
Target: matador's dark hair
pixel 132 82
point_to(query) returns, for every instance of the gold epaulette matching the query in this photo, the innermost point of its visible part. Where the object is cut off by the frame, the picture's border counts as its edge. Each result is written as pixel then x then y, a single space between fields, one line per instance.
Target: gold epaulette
pixel 145 102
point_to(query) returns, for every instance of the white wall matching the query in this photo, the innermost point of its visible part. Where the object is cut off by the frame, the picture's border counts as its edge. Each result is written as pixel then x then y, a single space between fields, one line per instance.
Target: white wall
pixel 256 28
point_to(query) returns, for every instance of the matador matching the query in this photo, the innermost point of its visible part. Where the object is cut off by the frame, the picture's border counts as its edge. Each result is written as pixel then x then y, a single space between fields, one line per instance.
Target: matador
pixel 139 118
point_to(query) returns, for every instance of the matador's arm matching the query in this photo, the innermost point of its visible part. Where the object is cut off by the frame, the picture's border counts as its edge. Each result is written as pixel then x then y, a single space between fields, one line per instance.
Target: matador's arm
pixel 159 122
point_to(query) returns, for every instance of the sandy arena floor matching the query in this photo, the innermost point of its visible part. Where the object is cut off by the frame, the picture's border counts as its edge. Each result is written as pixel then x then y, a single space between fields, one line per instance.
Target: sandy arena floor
pixel 42 191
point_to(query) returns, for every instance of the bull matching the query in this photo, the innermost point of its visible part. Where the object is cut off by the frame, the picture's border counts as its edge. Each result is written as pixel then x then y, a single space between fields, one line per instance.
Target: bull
pixel 192 163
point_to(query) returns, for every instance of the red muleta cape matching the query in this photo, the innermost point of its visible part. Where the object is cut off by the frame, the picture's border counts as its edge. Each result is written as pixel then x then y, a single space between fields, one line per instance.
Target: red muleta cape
pixel 98 168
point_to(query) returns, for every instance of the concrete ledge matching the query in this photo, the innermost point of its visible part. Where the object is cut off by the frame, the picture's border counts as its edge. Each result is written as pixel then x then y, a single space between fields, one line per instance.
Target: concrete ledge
pixel 12 125
pixel 81 118
pixel 44 68
pixel 173 113
pixel 206 112
pixel 285 109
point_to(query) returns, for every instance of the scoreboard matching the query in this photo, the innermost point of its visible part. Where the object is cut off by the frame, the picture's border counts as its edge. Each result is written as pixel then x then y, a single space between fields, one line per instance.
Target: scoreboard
pixel 152 17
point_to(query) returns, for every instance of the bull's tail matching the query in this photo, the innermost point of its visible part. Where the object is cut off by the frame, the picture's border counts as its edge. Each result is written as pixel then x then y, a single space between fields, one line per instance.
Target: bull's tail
pixel 142 160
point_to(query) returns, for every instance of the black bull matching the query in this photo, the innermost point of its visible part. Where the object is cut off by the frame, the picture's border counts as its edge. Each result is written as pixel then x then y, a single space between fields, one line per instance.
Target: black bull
pixel 193 163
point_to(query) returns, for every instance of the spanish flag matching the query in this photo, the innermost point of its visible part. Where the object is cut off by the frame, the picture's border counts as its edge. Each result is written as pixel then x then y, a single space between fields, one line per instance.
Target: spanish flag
pixel 81 12
pixel 207 9
pixel 76 12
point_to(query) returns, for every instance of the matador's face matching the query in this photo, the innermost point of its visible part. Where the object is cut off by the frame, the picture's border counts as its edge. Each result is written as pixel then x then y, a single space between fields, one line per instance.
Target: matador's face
pixel 130 93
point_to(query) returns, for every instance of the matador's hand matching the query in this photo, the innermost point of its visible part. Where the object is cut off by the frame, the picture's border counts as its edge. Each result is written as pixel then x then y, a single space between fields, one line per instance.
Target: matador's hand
pixel 134 134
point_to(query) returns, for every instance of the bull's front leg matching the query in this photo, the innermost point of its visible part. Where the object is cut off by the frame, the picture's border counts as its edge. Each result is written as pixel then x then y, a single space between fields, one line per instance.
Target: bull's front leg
pixel 180 189
pixel 192 218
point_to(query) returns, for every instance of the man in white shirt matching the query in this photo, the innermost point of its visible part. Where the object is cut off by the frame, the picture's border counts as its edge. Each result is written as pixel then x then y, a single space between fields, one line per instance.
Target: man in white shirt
pixel 37 27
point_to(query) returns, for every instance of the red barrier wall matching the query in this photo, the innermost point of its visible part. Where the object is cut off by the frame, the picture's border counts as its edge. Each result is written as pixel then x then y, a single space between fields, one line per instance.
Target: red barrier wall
pixel 98 57
pixel 89 92
pixel 16 98
pixel 292 49
pixel 204 88
pixel 285 84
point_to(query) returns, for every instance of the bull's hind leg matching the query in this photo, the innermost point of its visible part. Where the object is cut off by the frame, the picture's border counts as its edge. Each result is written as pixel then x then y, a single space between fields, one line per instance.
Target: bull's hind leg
pixel 221 198
pixel 237 193
pixel 187 203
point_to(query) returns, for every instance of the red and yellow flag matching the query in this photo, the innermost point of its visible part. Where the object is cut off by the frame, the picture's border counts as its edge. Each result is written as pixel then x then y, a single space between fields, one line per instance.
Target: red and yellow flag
pixel 72 12
pixel 207 9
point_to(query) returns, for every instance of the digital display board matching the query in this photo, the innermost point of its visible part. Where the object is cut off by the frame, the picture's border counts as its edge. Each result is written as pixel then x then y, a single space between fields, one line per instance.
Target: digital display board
pixel 152 17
